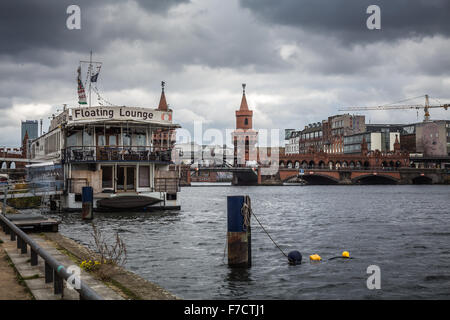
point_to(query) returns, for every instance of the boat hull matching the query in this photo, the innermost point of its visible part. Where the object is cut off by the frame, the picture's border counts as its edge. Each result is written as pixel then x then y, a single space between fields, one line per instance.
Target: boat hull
pixel 126 202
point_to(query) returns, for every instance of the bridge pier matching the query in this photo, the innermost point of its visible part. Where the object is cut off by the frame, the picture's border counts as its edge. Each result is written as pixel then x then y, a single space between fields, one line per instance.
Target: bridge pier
pixel 245 178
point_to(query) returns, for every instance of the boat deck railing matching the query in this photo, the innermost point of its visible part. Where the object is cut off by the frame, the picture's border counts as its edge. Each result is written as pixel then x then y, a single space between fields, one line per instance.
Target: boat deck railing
pixel 162 184
pixel 168 185
pixel 116 153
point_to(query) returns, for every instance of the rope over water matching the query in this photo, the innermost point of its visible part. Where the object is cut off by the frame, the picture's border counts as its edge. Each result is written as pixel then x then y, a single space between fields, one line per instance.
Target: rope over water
pixel 247 212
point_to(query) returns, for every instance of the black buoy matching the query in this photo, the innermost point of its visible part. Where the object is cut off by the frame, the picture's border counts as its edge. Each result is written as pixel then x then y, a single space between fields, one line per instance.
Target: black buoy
pixel 295 257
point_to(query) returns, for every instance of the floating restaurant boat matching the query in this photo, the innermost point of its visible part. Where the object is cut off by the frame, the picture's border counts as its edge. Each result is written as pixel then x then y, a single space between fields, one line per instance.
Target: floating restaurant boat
pixel 123 153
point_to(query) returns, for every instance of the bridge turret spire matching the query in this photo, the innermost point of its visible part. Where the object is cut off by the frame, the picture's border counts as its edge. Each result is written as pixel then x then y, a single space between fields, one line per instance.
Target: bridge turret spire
pixel 162 101
pixel 396 144
pixel 244 105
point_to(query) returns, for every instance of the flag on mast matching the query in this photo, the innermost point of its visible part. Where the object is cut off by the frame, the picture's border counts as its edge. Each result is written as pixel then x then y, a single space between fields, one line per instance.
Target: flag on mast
pixel 81 92
pixel 95 76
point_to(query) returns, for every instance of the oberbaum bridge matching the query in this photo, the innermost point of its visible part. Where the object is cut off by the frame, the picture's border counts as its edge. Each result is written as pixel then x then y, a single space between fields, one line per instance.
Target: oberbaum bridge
pixel 368 167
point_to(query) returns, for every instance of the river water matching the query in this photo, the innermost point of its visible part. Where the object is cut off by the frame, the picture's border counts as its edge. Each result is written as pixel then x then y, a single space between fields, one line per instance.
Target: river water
pixel 404 230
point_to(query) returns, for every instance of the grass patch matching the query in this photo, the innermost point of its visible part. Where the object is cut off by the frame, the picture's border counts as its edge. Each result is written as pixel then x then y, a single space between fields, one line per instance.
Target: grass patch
pixel 1 241
pixel 34 276
pixel 71 256
pixel 63 250
pixel 130 294
pixel 25 202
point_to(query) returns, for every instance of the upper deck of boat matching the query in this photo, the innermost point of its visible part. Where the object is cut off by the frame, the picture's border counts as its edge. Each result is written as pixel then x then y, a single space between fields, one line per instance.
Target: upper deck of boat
pixel 108 133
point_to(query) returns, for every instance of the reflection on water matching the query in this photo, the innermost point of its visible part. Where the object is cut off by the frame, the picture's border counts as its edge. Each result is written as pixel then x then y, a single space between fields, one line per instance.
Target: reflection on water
pixel 402 229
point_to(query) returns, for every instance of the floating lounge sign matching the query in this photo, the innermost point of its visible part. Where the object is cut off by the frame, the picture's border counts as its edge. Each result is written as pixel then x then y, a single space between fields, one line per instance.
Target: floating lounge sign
pixel 119 113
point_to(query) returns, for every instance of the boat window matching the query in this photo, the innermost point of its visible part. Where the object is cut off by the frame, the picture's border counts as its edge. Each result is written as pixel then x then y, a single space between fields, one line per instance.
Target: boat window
pixel 127 139
pixel 101 140
pixel 72 139
pixel 112 140
pixel 120 178
pixel 140 139
pixel 144 176
pixel 130 178
pixel 88 138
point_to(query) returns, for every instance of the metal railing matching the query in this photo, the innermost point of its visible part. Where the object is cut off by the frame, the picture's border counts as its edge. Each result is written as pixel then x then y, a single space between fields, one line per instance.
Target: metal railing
pixel 116 153
pixel 168 185
pixel 54 271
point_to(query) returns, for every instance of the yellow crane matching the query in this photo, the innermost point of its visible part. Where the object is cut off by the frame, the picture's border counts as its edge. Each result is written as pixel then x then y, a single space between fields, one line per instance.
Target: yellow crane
pixel 425 107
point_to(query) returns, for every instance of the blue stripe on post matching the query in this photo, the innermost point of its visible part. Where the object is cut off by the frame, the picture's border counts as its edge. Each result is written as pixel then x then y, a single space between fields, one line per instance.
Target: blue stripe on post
pixel 235 218
pixel 87 194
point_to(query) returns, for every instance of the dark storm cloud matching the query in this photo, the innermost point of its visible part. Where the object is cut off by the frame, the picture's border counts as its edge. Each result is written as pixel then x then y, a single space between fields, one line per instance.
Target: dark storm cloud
pixel 346 19
pixel 27 25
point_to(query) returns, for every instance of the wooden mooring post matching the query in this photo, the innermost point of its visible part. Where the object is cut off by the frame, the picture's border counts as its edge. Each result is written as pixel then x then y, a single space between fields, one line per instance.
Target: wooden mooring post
pixel 87 197
pixel 239 233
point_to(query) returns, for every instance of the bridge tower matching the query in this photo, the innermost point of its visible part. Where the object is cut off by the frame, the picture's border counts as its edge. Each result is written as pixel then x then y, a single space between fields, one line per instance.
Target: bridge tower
pixel 244 137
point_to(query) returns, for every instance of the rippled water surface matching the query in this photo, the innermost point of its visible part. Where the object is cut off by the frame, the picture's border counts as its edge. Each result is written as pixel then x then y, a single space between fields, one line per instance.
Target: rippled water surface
pixel 405 230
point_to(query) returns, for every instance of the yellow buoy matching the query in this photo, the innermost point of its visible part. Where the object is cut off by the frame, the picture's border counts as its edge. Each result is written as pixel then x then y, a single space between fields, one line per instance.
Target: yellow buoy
pixel 315 257
pixel 345 254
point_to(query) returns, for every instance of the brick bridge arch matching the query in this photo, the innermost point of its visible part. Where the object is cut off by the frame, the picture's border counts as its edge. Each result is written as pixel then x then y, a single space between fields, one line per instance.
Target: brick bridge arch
pixel 392 176
pixel 422 179
pixel 6 165
pixel 309 176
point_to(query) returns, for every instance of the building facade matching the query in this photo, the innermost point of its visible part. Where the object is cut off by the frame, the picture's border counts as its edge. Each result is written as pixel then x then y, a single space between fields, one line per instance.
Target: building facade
pixel 311 138
pixel 433 138
pixel 375 141
pixel 31 127
pixel 293 142
pixel 339 126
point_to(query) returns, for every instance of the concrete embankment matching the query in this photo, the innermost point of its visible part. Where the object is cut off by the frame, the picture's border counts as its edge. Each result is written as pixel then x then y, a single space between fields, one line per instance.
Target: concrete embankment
pixel 127 283
pixel 24 281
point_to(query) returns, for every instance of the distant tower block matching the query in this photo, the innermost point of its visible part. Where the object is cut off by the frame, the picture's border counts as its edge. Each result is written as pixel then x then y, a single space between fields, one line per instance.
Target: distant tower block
pixel 244 137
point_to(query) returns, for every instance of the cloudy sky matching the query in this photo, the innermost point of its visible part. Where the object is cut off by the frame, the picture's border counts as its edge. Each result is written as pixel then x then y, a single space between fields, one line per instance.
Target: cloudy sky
pixel 302 60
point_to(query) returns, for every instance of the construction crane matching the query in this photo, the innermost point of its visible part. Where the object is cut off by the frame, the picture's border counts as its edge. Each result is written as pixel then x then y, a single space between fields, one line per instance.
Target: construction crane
pixel 425 107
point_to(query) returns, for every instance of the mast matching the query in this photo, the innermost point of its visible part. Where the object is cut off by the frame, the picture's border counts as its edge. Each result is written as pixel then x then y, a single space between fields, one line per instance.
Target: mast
pixel 89 77
pixel 90 73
